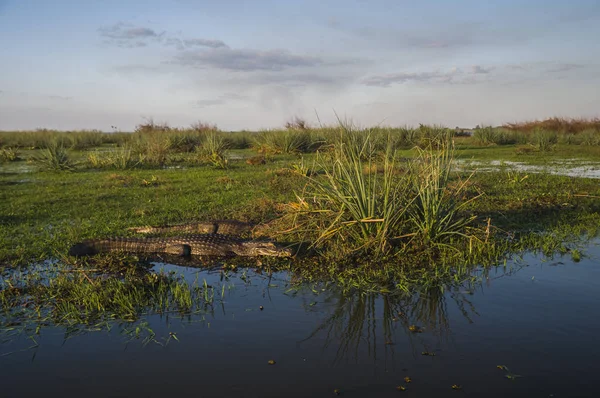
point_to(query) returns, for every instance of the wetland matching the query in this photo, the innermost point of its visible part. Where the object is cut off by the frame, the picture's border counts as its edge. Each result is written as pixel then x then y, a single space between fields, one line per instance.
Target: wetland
pixel 429 263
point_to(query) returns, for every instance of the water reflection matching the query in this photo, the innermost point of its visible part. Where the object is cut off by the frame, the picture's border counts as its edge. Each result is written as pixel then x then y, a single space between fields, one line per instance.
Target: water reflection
pixel 370 321
pixel 536 320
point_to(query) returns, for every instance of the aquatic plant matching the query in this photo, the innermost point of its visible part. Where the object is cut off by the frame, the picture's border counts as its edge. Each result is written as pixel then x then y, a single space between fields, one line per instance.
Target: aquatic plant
pixel 86 296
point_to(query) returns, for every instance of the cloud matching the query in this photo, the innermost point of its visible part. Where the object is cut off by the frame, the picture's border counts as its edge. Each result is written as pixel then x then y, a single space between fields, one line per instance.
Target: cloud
pixel 138 69
pixel 182 44
pixel 299 79
pixel 453 36
pixel 128 36
pixel 60 97
pixel 564 68
pixel 453 76
pixel 246 60
pixel 221 100
pixel 399 78
pixel 204 43
pixel 480 70
pixel 123 31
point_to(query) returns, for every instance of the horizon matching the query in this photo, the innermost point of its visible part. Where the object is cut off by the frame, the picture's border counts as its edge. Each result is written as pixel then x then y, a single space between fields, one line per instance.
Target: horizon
pixel 72 65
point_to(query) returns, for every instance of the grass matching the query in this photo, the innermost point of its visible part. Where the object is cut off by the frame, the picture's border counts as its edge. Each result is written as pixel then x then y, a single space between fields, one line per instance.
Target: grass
pixel 80 297
pixel 353 209
pixel 9 155
pixel 213 150
pixel 438 210
pixel 384 210
pixel 357 195
pixel 55 157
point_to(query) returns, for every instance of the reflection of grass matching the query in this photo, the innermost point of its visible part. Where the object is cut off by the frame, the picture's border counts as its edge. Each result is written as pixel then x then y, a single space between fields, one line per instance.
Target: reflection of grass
pixel 360 319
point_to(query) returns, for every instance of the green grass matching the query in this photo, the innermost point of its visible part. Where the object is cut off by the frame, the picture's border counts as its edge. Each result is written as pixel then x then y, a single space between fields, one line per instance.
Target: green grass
pixel 356 182
pixel 356 208
pixel 382 214
pixel 49 211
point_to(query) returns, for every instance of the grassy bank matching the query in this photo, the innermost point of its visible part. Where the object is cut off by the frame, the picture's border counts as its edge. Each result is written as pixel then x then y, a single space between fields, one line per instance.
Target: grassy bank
pixel 351 177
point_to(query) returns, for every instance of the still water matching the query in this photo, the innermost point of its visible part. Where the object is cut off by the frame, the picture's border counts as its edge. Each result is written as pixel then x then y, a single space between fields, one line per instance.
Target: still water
pixel 539 320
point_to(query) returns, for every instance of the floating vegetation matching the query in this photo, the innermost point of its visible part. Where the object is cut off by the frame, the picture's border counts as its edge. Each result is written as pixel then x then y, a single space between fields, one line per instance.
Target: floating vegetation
pixel 508 374
pixel 415 329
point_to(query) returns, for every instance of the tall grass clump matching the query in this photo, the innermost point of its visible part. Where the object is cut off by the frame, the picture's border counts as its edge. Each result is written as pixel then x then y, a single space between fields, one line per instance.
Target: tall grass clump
pixel 365 202
pixel 589 137
pixel 213 150
pixel 185 141
pixel 9 155
pixel 488 135
pixel 432 136
pixel 437 213
pixel 55 157
pixel 152 149
pixel 405 137
pixel 84 139
pixel 239 139
pixel 120 158
pixel 283 141
pixel 544 140
pixel 355 208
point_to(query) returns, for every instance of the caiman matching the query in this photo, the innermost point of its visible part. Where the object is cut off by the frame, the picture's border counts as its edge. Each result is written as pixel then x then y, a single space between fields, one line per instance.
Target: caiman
pixel 186 245
pixel 222 227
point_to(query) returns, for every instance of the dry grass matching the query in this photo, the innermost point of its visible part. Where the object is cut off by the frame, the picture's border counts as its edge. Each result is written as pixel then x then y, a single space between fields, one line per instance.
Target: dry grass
pixel 563 125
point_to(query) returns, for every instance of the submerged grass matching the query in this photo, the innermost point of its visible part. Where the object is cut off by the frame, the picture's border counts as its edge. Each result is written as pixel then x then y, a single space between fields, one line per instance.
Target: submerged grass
pixel 67 296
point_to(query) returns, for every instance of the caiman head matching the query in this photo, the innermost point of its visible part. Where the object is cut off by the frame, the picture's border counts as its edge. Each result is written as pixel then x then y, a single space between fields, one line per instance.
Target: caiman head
pixel 267 249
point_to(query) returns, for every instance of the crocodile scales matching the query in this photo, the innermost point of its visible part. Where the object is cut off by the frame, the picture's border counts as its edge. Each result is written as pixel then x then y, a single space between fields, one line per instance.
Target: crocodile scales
pixel 222 227
pixel 193 244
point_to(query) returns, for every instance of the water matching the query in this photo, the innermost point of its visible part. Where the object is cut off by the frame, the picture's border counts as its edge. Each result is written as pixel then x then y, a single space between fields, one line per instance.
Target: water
pixel 538 318
pixel 567 167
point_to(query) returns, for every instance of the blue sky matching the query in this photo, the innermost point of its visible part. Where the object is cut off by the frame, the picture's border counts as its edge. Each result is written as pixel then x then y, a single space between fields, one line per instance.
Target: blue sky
pixel 71 64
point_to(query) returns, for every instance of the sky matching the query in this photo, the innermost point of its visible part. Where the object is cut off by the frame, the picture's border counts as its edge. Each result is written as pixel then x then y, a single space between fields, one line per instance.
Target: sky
pixel 112 64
